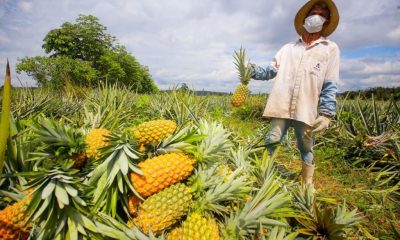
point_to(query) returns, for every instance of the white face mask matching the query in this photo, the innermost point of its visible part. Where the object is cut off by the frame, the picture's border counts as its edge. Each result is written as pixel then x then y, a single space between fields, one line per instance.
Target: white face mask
pixel 314 23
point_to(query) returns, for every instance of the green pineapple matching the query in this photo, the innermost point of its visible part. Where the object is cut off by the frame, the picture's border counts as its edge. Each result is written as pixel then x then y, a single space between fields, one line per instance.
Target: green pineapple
pixel 196 227
pixel 242 91
pixel 163 209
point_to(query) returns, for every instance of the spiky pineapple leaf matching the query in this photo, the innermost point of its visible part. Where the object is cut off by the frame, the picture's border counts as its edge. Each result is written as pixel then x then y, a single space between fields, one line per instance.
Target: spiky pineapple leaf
pixel 110 178
pixel 240 63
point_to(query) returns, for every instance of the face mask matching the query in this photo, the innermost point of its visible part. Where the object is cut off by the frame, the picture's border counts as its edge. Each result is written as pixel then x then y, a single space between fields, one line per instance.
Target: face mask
pixel 314 23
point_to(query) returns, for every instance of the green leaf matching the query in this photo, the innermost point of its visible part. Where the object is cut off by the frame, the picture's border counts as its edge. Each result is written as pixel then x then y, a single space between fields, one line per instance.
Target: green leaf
pixel 48 189
pixel 72 191
pixel 72 230
pixel 62 195
pixel 123 163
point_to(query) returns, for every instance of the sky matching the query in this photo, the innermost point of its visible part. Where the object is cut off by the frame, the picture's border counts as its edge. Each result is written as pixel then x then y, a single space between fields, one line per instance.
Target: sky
pixel 193 41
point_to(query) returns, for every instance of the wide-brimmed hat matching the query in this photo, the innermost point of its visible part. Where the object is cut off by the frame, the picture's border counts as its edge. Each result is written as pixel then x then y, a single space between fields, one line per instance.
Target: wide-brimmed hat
pixel 303 12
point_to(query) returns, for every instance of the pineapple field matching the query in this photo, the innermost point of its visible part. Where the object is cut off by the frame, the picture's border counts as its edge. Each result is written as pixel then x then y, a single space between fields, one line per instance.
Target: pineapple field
pixel 108 163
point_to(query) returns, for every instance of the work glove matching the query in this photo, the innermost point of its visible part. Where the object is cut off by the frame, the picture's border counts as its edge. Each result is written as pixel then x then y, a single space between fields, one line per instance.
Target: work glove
pixel 320 124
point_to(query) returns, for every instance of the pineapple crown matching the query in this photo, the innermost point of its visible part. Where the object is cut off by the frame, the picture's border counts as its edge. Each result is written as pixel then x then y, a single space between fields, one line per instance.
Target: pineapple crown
pixel 240 63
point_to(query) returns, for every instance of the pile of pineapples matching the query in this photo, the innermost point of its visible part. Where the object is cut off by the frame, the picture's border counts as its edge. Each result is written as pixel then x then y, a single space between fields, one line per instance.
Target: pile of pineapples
pixel 175 182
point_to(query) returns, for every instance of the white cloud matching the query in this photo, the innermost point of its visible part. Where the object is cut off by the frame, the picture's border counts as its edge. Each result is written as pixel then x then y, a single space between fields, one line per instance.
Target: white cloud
pixel 395 34
pixel 25 6
pixel 369 72
pixel 193 41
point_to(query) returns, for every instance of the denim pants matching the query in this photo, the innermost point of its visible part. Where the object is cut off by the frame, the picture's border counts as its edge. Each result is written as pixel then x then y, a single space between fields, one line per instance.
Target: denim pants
pixel 305 139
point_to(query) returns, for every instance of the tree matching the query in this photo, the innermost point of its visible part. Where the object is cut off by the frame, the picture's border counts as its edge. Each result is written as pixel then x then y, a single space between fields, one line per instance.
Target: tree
pixel 56 71
pixel 87 55
pixel 85 39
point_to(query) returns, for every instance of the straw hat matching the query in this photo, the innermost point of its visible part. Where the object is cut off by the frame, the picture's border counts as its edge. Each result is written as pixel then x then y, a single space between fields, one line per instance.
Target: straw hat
pixel 302 14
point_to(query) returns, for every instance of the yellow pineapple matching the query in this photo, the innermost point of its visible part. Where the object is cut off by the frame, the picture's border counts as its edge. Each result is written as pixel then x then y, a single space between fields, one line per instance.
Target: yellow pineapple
pixel 153 131
pixel 196 227
pixel 242 91
pixel 163 209
pixel 95 140
pixel 12 221
pixel 161 172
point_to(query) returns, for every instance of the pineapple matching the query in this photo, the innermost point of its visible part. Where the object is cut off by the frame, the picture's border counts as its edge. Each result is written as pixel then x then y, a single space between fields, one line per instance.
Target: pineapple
pixel 153 131
pixel 161 172
pixel 242 91
pixel 95 140
pixel 12 220
pixel 163 209
pixel 196 227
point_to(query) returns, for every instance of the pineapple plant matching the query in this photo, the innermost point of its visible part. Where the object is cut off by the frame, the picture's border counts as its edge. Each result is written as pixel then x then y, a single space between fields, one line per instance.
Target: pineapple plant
pixel 58 207
pixel 321 221
pixel 153 132
pixel 111 177
pixel 242 91
pixel 95 140
pixel 58 141
pixel 163 209
pixel 196 227
pixel 161 171
pixel 12 221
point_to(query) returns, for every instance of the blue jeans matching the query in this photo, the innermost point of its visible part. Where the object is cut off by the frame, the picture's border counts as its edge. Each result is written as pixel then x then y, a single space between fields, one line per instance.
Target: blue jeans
pixel 305 139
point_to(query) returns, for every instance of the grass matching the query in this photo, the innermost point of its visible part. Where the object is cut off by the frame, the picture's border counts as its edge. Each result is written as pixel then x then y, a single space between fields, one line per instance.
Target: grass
pixel 335 179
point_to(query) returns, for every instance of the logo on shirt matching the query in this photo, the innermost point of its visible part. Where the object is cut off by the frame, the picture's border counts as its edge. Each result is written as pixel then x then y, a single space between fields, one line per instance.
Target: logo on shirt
pixel 317 67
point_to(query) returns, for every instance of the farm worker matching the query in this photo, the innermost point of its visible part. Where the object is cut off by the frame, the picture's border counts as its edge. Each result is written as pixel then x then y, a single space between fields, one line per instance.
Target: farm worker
pixel 306 73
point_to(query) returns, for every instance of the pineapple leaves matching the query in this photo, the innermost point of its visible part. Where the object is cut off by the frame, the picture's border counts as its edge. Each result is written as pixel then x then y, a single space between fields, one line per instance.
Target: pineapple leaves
pixel 240 63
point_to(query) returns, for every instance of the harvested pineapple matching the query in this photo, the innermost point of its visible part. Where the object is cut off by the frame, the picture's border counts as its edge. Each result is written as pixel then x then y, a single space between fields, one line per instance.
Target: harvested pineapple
pixel 153 131
pixel 196 227
pixel 95 140
pixel 164 208
pixel 12 221
pixel 242 91
pixel 161 172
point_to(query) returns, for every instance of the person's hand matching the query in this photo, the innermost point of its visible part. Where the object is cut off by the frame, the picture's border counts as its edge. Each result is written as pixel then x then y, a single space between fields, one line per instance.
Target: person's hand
pixel 250 67
pixel 321 123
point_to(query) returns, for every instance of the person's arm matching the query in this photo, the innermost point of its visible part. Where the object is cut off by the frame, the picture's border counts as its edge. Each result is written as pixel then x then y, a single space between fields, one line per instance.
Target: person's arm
pixel 259 73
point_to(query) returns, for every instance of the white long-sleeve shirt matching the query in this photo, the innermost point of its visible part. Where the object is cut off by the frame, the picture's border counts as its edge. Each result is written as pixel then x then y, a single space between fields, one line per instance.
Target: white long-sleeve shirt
pixel 306 78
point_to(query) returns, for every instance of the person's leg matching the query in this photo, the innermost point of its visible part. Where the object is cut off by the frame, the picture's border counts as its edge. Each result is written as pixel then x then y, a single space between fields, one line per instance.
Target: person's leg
pixel 305 142
pixel 279 127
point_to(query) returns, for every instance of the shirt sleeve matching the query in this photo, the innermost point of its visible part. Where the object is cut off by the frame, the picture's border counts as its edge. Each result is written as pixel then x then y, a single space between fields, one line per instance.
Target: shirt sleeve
pixel 269 72
pixel 329 87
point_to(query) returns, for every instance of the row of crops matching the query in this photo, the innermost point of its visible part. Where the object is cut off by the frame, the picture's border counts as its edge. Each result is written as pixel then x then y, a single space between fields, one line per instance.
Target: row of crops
pixel 94 164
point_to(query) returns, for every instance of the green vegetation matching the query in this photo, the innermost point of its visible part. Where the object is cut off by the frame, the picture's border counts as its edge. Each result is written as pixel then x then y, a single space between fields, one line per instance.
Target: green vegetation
pixel 82 53
pixel 357 183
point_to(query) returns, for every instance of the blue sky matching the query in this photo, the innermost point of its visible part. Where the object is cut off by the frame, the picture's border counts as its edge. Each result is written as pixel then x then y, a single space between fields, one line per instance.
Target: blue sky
pixel 192 41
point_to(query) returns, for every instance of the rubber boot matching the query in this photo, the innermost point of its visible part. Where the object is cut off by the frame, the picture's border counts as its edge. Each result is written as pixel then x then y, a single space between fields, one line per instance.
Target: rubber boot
pixel 307 173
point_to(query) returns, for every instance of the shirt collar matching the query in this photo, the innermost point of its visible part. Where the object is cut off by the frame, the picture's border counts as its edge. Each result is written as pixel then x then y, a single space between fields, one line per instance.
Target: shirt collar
pixel 319 40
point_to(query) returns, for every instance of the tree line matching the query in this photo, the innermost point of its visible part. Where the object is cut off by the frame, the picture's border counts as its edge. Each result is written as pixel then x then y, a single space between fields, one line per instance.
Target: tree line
pixel 379 93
